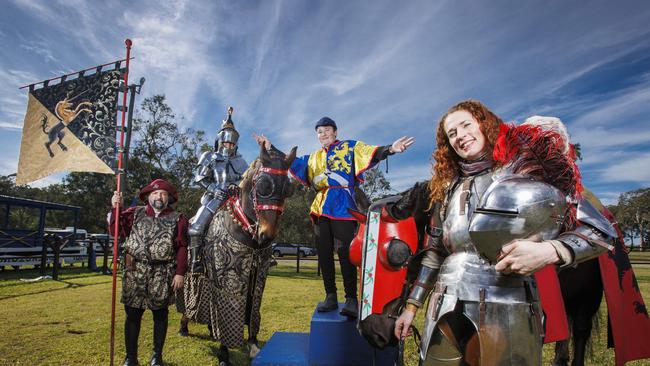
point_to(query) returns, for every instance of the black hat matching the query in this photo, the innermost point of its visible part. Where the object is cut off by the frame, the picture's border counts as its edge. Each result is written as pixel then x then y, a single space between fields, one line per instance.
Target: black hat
pixel 325 121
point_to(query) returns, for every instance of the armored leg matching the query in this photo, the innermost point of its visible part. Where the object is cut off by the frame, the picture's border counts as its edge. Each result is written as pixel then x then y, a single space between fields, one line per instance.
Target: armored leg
pixel 196 263
pixel 199 223
pixel 442 351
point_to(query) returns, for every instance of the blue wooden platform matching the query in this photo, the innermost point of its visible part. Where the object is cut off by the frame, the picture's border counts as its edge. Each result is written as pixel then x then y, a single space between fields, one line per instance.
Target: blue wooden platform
pixel 333 341
pixel 286 349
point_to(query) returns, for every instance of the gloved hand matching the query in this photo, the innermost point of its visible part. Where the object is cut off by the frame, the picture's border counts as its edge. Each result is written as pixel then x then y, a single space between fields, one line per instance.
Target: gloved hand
pixel 233 190
pixel 221 195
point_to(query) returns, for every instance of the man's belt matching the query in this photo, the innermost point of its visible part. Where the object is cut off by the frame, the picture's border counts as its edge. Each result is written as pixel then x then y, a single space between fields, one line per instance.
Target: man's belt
pixel 337 187
pixel 153 262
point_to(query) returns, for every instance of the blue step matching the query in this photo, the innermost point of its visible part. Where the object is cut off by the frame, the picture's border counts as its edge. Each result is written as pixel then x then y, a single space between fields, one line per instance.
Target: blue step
pixel 284 349
pixel 335 341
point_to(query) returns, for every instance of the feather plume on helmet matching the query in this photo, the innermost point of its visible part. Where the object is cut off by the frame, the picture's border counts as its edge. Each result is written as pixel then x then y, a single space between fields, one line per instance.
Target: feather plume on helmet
pixel 540 148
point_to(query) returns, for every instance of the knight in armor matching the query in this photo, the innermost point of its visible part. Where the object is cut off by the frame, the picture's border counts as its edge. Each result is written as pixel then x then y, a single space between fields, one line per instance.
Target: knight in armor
pixel 506 204
pixel 217 171
pixel 155 262
pixel 334 171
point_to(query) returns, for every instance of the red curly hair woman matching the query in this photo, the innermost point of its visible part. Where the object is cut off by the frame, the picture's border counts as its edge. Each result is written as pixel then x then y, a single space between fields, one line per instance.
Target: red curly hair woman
pixel 508 200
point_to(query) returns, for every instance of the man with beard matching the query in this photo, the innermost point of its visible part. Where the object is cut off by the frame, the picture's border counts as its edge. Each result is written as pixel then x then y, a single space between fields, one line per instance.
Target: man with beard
pixel 155 261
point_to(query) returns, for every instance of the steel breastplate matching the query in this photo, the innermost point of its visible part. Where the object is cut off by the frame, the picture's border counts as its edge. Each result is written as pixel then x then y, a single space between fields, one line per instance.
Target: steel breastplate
pixel 224 172
pixel 456 224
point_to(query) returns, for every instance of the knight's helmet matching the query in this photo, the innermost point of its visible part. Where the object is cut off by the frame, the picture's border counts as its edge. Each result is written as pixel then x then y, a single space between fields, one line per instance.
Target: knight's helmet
pixel 516 207
pixel 228 133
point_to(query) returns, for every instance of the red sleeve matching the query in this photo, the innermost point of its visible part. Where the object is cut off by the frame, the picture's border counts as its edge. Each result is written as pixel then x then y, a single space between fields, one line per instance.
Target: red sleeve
pixel 181 245
pixel 126 221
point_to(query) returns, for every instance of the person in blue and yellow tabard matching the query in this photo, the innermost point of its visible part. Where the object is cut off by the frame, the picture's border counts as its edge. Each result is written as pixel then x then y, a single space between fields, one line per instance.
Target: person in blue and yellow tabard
pixel 333 171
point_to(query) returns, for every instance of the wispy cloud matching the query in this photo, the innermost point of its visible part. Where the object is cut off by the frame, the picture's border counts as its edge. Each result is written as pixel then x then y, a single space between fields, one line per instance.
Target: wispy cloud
pixel 634 169
pixel 11 126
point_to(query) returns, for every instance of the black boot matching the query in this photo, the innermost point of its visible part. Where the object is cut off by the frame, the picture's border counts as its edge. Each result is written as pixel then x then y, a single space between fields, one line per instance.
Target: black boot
pixel 223 356
pixel 159 334
pixel 183 331
pixel 331 303
pixel 196 264
pixel 131 334
pixel 351 307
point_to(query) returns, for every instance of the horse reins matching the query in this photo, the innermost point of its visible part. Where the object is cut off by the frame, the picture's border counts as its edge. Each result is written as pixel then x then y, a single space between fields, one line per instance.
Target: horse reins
pixel 237 211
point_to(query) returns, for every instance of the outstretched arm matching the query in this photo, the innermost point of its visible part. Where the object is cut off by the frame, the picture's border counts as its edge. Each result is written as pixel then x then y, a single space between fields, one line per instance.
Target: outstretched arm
pixel 398 146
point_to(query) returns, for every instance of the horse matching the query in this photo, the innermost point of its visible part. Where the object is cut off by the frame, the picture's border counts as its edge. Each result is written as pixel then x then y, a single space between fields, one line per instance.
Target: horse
pixel 237 250
pixel 582 289
pixel 582 292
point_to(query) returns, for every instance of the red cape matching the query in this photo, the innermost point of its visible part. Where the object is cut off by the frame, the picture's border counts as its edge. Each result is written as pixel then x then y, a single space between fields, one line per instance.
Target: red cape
pixel 550 295
pixel 628 315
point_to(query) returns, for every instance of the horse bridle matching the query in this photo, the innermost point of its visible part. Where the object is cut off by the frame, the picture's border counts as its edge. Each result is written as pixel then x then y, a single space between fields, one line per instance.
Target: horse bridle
pixel 238 214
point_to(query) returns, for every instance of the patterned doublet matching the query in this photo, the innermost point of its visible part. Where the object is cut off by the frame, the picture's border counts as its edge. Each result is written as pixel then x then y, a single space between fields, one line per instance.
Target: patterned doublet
pixel 147 284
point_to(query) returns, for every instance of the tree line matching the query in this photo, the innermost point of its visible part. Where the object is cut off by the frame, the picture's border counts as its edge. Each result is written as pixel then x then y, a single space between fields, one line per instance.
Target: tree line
pixel 633 215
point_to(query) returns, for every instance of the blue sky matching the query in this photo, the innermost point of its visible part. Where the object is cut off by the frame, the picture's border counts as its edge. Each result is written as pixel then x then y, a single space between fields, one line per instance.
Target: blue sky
pixel 381 69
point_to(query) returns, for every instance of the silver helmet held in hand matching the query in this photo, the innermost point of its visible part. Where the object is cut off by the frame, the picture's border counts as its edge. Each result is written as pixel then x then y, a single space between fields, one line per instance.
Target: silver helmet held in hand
pixel 516 207
pixel 226 141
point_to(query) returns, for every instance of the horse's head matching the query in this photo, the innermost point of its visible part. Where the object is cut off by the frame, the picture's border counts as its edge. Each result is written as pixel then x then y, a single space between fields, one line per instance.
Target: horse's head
pixel 267 187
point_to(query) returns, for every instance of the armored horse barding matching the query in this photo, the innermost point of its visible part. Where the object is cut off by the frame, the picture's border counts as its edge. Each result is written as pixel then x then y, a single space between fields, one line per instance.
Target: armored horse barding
pixel 237 250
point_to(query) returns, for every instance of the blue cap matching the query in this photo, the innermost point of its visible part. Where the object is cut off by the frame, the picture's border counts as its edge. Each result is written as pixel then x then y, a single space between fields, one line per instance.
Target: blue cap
pixel 325 121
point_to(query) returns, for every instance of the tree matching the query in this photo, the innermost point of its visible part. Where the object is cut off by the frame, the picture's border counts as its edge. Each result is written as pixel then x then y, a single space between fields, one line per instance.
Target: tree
pixel 633 213
pixel 295 224
pixel 376 185
pixel 92 192
pixel 161 150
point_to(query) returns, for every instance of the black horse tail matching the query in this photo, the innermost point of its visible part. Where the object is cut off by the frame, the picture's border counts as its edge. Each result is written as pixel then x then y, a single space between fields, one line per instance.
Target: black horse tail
pixel 44 123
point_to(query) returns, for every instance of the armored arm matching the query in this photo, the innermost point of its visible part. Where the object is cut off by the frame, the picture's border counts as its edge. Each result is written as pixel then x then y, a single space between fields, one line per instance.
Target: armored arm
pixel 592 236
pixel 429 268
pixel 204 174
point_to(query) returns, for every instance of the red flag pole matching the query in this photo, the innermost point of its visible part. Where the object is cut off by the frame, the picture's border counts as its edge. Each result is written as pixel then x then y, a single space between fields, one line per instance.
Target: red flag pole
pixel 119 173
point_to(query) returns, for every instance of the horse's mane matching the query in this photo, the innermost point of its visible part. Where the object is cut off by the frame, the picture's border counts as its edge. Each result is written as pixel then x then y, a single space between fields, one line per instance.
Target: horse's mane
pixel 250 172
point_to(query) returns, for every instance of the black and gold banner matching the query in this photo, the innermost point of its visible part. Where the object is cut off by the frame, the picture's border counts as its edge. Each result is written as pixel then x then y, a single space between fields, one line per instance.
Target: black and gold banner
pixel 70 126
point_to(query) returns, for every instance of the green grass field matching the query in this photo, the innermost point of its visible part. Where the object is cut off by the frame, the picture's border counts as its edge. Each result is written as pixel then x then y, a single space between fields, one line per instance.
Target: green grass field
pixel 67 322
